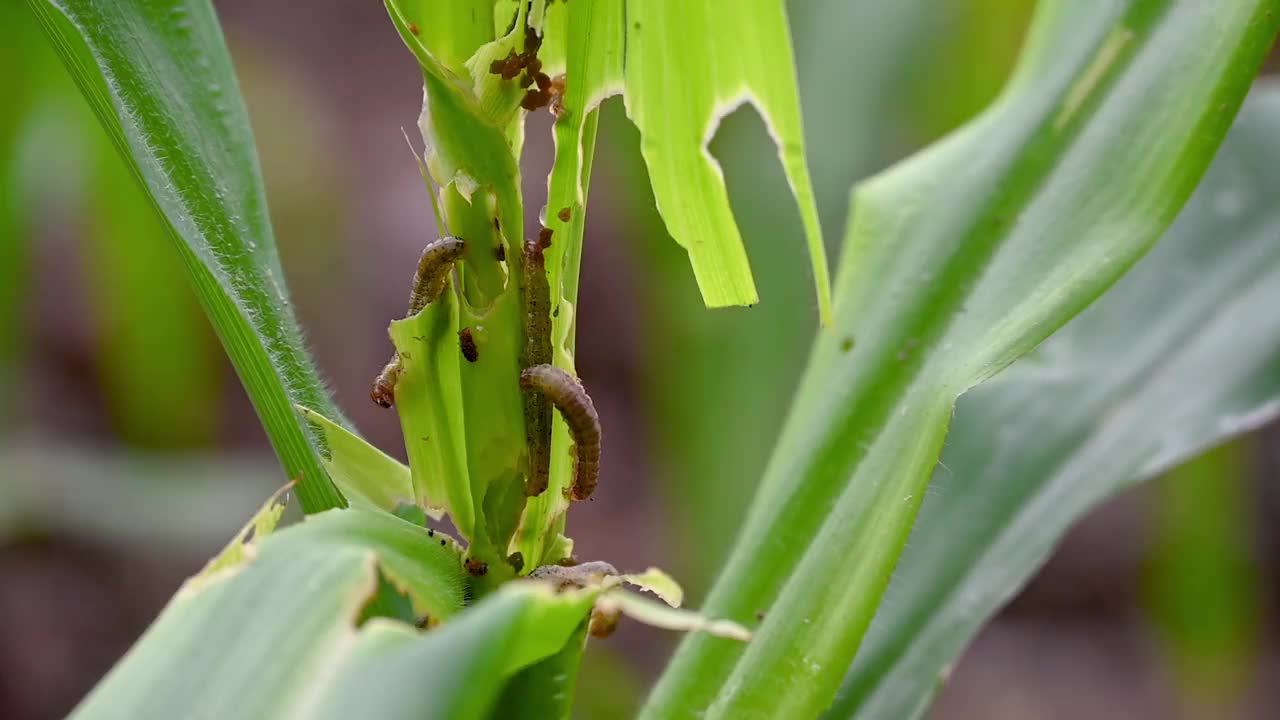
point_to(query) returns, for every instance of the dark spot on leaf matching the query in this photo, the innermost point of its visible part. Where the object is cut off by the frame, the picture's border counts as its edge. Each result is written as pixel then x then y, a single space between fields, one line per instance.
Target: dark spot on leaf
pixel 468 344
pixel 564 214
pixel 847 344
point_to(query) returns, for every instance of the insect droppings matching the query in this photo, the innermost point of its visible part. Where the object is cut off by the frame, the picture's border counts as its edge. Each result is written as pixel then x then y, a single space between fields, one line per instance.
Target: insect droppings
pixel 468 344
pixel 569 397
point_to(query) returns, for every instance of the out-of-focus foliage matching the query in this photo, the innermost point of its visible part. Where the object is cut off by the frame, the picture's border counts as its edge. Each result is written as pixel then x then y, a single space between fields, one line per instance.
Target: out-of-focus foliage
pixel 1203 591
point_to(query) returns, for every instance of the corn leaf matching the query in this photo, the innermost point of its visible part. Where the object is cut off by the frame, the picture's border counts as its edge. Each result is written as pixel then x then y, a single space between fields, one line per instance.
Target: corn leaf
pixel 1183 353
pixel 159 78
pixel 688 65
pixel 957 261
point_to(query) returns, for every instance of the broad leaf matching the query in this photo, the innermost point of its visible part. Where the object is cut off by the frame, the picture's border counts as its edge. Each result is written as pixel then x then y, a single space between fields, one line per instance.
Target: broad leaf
pixel 957 261
pixel 159 77
pixel 1182 353
pixel 366 476
pixel 689 64
pixel 275 630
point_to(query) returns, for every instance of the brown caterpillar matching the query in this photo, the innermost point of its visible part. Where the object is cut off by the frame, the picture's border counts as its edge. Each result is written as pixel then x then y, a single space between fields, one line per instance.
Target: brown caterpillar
pixel 476 567
pixel 537 351
pixel 579 413
pixel 429 282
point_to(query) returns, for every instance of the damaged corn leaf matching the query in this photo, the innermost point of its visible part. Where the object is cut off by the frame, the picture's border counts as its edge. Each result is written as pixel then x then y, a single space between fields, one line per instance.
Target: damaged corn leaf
pixel 689 64
pixel 367 476
pixel 160 79
pixel 266 637
pixel 980 272
pixel 459 670
pixel 262 523
pixel 281 637
pixel 459 399
pixel 659 583
pixel 584 45
pixel 655 614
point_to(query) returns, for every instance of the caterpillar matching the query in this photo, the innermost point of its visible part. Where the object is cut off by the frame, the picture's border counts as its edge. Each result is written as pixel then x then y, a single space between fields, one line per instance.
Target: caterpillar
pixel 432 276
pixel 429 283
pixel 579 413
pixel 537 411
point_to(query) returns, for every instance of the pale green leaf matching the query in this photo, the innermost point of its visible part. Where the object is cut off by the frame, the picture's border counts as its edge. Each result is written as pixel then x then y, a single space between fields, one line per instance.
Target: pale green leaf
pixel 656 614
pixel 659 583
pixel 367 476
pixel 457 671
pixel 429 402
pixel 240 548
pixel 276 635
pixel 688 65
pixel 957 261
pixel 1183 352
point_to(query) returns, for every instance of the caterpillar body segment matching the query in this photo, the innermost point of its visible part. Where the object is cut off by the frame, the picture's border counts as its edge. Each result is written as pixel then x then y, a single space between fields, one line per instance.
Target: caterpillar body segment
pixel 435 266
pixel 569 397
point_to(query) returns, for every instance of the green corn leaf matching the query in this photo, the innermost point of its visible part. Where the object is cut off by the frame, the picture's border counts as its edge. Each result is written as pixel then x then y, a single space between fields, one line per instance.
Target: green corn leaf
pixel 545 689
pixel 280 631
pixel 957 261
pixel 689 64
pixel 429 401
pixel 1182 353
pixel 457 672
pixel 366 476
pixel 159 77
pixel 273 632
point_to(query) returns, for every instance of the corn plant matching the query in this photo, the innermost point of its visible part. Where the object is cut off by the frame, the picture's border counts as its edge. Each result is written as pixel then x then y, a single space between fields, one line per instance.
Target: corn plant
pixel 960 270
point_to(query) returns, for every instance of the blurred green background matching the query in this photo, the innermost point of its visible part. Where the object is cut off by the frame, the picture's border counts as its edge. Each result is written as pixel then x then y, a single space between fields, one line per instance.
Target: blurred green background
pixel 128 452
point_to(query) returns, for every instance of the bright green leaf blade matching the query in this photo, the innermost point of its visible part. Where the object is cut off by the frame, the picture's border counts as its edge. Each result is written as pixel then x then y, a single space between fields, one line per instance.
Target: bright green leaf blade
pixel 457 671
pixel 1182 353
pixel 545 690
pixel 432 417
pixel 268 637
pixel 159 77
pixel 365 475
pixel 689 64
pixel 959 260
